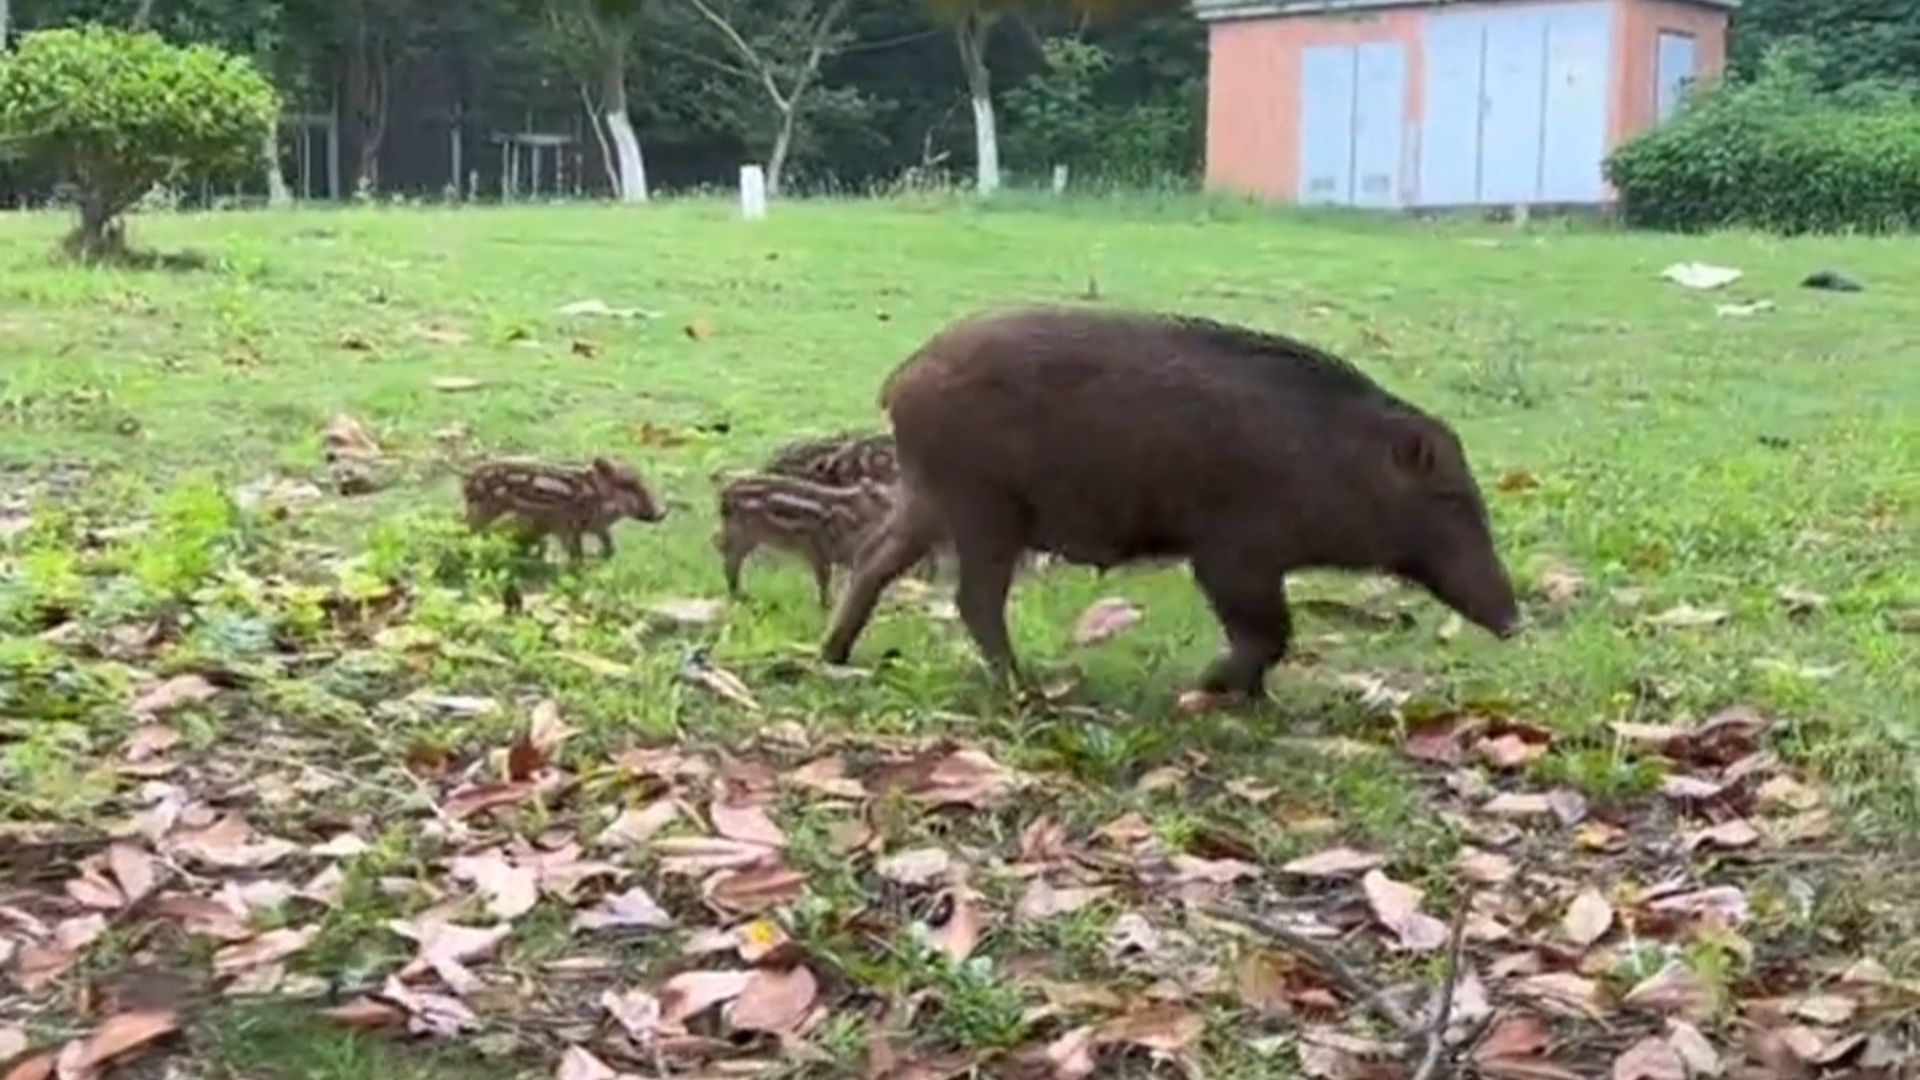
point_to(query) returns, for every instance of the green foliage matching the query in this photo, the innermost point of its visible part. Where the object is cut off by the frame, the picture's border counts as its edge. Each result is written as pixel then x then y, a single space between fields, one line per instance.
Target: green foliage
pixel 1844 41
pixel 1777 153
pixel 119 112
pixel 1078 112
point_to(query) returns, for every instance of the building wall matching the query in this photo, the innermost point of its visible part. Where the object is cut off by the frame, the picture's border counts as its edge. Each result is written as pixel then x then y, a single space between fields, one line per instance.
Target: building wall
pixel 1253 92
pixel 1636 28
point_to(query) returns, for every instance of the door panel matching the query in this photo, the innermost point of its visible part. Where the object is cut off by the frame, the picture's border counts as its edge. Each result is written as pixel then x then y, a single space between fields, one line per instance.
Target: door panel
pixel 1510 128
pixel 1379 111
pixel 1579 44
pixel 1326 124
pixel 1450 126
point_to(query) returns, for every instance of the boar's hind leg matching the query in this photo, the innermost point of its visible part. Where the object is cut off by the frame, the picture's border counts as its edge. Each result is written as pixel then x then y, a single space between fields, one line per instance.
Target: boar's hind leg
pixel 902 540
pixel 1251 604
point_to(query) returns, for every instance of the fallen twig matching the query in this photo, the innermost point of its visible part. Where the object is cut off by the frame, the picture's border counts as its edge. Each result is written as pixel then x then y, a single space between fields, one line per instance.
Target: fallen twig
pixel 1450 983
pixel 1356 984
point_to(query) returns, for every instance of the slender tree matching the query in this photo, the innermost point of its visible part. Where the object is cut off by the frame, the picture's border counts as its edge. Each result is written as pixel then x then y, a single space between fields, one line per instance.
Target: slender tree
pixel 601 35
pixel 779 49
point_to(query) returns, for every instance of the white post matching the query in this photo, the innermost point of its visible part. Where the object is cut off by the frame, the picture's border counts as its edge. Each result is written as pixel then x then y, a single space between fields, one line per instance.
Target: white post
pixel 1059 179
pixel 753 192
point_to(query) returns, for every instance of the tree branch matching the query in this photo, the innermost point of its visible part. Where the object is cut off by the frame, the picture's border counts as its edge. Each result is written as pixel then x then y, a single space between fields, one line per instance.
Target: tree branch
pixel 746 51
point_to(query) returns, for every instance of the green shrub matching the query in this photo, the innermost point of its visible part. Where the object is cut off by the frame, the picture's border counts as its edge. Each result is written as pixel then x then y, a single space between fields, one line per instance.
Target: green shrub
pixel 118 112
pixel 1777 154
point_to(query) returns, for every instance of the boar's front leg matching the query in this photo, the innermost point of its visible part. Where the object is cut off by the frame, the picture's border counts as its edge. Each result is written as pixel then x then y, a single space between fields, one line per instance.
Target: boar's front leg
pixel 1250 601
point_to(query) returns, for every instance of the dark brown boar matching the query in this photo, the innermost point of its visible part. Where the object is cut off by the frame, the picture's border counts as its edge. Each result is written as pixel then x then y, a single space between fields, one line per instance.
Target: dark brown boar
pixel 561 500
pixel 1110 438
pixel 823 524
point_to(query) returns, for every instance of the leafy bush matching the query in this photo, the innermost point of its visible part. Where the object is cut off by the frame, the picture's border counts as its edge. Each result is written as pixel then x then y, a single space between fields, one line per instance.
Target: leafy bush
pixel 1776 153
pixel 118 112
pixel 1066 115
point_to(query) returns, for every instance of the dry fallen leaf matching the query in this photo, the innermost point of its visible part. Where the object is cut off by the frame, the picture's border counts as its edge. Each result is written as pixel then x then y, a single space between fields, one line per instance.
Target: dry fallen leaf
pixel 754 889
pixel 1588 918
pixel 635 1010
pixel 1562 992
pixel 828 776
pixel 773 1001
pixel 510 890
pixel 961 932
pixel 634 908
pixel 1043 901
pixel 175 693
pixel 545 729
pixel 1485 867
pixel 1734 833
pixel 446 947
pixel 1104 619
pixel 636 826
pixel 915 867
pixel 699 854
pixel 1515 1035
pixel 1335 863
pixel 149 741
pixel 1166 1028
pixel 1070 1057
pixel 1694 1049
pixel 269 948
pixel 13 1042
pixel 690 993
pixel 1397 907
pixel 747 823
pixel 230 844
pixel 119 1036
pixel 1687 617
pixel 1649 1059
pixel 364 1013
pixel 578 1063
pixel 1518 805
pixel 965 777
pixel 1673 990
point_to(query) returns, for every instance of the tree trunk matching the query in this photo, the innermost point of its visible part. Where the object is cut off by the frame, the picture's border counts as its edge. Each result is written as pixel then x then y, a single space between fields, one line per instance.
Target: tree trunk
pixel 633 171
pixel 277 193
pixel 6 19
pixel 971 34
pixel 143 15
pixel 782 146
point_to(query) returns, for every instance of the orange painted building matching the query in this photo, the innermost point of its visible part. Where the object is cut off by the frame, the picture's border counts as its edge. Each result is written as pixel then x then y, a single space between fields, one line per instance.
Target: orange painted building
pixel 1427 103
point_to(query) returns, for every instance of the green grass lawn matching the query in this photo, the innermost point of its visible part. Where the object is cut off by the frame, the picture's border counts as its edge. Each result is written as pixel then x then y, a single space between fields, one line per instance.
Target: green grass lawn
pixel 1627 436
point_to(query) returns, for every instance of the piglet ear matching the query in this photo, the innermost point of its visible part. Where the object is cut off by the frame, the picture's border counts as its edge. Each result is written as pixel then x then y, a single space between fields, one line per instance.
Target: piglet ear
pixel 604 466
pixel 1414 450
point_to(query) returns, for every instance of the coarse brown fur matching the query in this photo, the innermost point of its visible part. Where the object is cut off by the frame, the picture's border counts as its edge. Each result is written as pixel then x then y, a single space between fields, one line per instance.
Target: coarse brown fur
pixel 821 523
pixel 840 460
pixel 559 500
pixel 1109 438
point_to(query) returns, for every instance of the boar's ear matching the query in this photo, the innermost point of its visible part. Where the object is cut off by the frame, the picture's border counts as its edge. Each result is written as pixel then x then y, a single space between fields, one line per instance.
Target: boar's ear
pixel 1414 449
pixel 605 467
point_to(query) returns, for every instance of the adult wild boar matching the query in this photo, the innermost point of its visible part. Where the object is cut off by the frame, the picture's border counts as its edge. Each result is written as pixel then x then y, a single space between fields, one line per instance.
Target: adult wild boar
pixel 1107 438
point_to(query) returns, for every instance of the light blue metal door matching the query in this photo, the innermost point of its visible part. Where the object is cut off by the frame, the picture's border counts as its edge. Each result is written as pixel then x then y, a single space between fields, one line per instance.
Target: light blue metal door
pixel 1450 125
pixel 1510 125
pixel 1379 121
pixel 1574 143
pixel 1326 124
pixel 1673 70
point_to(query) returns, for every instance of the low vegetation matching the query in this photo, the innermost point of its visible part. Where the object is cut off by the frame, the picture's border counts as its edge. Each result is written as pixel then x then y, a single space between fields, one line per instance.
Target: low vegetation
pixel 299 776
pixel 1777 153
pixel 115 112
